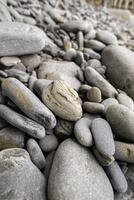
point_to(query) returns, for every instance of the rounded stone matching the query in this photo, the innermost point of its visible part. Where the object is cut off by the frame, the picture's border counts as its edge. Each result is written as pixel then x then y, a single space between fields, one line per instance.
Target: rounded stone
pixel 106 37
pixel 77 174
pixel 103 137
pixel 95 45
pixel 125 100
pixel 108 102
pixel 93 108
pixel 49 143
pixel 94 95
pixel 9 61
pixel 19 177
pixel 31 61
pixel 124 152
pixel 117 177
pixel 121 120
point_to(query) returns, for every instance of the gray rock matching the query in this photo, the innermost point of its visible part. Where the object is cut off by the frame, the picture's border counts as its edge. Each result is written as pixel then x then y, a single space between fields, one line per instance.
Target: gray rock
pixel 63 129
pixel 49 161
pixel 94 63
pixel 70 55
pixel 11 137
pixel 117 177
pixel 21 122
pixel 9 61
pixel 20 66
pixel 82 132
pixel 108 102
pixel 4 13
pixel 125 100
pixel 36 154
pixel 33 39
pixel 49 143
pixel 3 123
pixel 94 95
pixel 121 120
pixel 106 37
pixel 95 79
pixel 124 152
pixel 28 102
pixel 120 63
pixel 92 54
pixel 95 45
pixel 93 108
pixel 40 84
pixel 19 177
pixel 19 74
pixel 31 61
pixel 103 137
pixel 76 173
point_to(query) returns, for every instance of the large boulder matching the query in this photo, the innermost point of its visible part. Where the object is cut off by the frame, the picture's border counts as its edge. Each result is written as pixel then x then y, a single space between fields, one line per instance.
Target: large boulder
pixel 75 174
pixel 19 178
pixel 120 67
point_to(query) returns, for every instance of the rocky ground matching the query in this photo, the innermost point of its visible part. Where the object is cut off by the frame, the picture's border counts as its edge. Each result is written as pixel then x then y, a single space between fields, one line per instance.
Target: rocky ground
pixel 66 102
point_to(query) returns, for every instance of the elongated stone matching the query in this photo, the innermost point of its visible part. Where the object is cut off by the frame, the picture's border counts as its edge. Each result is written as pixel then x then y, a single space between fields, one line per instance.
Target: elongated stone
pixel 103 137
pixel 28 102
pixel 21 122
pixel 4 13
pixel 11 34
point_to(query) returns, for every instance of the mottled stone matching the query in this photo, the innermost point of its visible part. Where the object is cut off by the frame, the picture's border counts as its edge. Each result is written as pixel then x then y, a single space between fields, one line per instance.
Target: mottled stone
pixel 94 95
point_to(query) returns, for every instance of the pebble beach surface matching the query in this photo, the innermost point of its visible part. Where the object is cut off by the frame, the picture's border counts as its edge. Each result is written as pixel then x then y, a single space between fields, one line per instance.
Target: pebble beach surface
pixel 66 102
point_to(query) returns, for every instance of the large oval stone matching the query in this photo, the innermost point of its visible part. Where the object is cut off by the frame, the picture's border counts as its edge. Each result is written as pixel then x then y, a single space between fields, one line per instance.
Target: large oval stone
pixel 19 178
pixel 75 174
pixel 20 39
pixel 120 67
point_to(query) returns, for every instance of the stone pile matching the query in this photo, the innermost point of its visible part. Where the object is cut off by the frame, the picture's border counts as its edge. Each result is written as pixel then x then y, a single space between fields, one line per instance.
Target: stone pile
pixel 66 104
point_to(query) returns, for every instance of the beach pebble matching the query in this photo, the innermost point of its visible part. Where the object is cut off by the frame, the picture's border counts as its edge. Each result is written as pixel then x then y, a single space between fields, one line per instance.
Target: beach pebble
pixel 125 100
pixel 94 95
pixel 90 53
pixel 118 67
pixel 106 37
pixel 117 177
pixel 94 63
pixel 93 108
pixel 95 45
pixel 28 102
pixel 19 177
pixel 9 61
pixel 70 55
pixel 108 102
pixel 20 67
pixel 33 39
pixel 62 100
pixel 124 152
pixel 21 122
pixel 4 13
pixel 35 153
pixel 63 129
pixel 103 160
pixel 76 164
pixel 19 74
pixel 121 120
pixel 49 161
pixel 95 79
pixel 49 143
pixel 103 137
pixel 11 137
pixel 31 62
pixel 82 132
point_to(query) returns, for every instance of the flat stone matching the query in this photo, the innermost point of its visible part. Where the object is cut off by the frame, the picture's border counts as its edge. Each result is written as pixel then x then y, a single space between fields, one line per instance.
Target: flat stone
pixel 103 137
pixel 19 177
pixel 95 45
pixel 11 34
pixel 9 61
pixel 124 151
pixel 11 137
pixel 4 13
pixel 106 37
pixel 75 164
pixel 125 100
pixel 31 61
pixel 93 108
pixel 120 63
pixel 121 120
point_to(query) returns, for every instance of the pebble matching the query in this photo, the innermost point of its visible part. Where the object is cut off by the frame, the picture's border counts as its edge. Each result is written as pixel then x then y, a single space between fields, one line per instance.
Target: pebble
pixel 121 120
pixel 20 66
pixel 4 13
pixel 106 37
pixel 49 161
pixel 21 122
pixel 63 129
pixel 82 132
pixel 40 84
pixel 33 39
pixel 11 137
pixel 93 108
pixel 76 26
pixel 35 153
pixel 90 35
pixel 125 100
pixel 9 61
pixel 29 20
pixel 103 137
pixel 31 62
pixel 84 89
pixel 62 100
pixel 19 177
pixel 103 160
pixel 76 164
pixel 91 54
pixel 19 74
pixel 108 102
pixel 94 63
pixel 118 67
pixel 94 95
pixel 95 45
pixel 28 102
pixel 124 152
pixel 117 177
pixel 95 79
pixel 49 143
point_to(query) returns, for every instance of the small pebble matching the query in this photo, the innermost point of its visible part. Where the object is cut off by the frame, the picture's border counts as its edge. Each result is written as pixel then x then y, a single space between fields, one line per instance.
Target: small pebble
pixel 125 100
pixel 94 95
pixel 93 108
pixel 108 102
pixel 19 74
pixel 31 62
pixel 95 45
pixel 9 61
pixel 106 37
